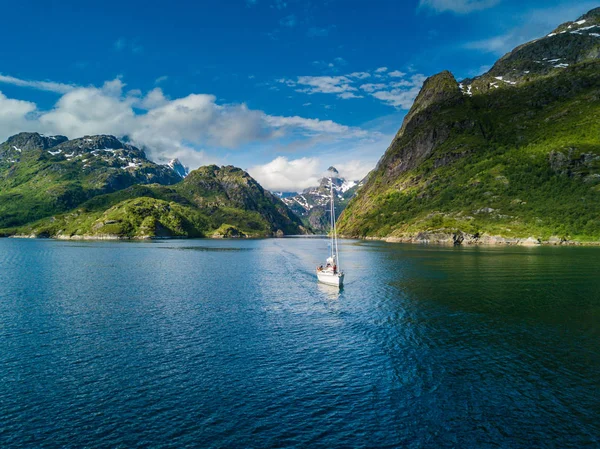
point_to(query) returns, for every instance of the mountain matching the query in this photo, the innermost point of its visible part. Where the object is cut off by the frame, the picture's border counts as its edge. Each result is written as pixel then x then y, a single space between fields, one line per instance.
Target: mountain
pixel 43 175
pixel 512 156
pixel 178 167
pixel 210 201
pixel 312 205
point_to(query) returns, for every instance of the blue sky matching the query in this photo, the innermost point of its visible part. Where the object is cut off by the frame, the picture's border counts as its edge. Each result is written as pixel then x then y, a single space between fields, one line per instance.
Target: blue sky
pixel 282 88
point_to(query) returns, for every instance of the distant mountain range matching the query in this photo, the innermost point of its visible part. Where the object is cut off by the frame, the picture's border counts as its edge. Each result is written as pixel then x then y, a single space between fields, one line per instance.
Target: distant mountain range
pixel 100 187
pixel 512 156
pixel 312 205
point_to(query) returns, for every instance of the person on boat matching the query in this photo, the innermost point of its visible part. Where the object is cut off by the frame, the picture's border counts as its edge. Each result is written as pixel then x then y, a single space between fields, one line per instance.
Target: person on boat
pixel 334 269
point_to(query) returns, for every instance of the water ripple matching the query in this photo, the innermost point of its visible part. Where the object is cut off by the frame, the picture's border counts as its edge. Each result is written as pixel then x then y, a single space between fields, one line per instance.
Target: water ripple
pixel 234 344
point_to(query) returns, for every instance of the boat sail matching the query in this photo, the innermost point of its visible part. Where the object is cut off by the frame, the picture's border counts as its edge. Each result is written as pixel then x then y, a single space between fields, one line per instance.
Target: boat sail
pixel 332 274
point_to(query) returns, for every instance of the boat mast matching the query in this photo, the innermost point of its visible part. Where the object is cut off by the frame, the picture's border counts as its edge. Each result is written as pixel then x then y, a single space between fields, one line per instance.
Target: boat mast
pixel 331 213
pixel 334 229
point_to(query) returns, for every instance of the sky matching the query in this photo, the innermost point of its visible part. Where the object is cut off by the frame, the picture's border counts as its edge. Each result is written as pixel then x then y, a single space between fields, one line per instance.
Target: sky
pixel 281 88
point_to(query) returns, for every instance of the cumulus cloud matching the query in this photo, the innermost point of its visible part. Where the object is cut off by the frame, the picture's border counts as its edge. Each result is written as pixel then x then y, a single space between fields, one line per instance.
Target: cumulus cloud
pixel 354 170
pixel 283 174
pixel 180 127
pixel 457 6
pixel 381 70
pixel 14 115
pixel 294 175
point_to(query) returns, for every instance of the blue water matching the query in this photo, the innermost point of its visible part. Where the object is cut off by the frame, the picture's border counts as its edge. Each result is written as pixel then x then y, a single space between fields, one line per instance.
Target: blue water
pixel 208 343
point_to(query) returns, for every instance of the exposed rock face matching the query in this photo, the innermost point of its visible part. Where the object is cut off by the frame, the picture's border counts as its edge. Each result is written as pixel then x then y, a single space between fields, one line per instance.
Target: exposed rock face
pixel 574 163
pixel 417 139
pixel 465 239
pixel 33 141
pixel 178 167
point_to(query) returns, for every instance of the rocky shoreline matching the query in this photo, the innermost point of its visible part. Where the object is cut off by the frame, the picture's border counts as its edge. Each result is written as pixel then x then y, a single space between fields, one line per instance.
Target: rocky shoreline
pixel 465 239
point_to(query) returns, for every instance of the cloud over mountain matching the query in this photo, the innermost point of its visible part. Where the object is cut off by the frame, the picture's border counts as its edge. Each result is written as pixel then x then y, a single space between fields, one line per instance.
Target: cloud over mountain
pixel 181 127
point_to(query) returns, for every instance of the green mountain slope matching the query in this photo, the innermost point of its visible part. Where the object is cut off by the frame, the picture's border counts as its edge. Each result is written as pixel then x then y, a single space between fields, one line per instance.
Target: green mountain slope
pixel 514 153
pixel 40 176
pixel 210 201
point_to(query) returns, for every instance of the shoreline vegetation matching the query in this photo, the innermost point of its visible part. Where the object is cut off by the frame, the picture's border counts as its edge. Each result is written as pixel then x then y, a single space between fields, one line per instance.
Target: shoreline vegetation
pixel 424 238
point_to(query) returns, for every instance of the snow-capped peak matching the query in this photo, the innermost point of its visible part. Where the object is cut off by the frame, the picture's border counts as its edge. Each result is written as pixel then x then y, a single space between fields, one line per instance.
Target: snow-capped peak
pixel 178 167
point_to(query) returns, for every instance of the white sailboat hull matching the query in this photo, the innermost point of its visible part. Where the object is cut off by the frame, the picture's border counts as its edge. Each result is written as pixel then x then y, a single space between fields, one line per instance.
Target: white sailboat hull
pixel 330 278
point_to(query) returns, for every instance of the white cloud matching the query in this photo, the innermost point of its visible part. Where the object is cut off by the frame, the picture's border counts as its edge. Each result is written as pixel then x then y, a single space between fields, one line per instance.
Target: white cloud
pixel 49 86
pixel 14 115
pixel 87 110
pixel 312 125
pixel 393 88
pixel 354 170
pixel 167 128
pixel 372 87
pixel 359 75
pixel 161 79
pixel 396 74
pixel 325 84
pixel 294 175
pixel 402 94
pixel 282 174
pixel 153 99
pixel 457 6
pixel 348 95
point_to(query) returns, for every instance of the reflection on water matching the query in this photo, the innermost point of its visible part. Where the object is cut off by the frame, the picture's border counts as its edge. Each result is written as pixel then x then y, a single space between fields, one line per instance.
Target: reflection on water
pixel 234 343
pixel 329 291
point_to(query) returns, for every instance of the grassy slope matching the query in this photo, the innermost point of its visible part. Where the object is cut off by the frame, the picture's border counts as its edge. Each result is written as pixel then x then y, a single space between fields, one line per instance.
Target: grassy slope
pixel 40 184
pixel 501 161
pixel 196 207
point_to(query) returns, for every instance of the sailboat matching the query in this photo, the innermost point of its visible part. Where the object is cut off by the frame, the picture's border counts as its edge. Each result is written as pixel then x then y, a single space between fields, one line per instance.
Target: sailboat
pixel 331 274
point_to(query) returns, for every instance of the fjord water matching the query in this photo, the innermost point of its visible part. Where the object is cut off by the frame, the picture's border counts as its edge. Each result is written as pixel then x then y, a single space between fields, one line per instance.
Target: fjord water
pixel 232 343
